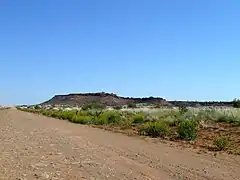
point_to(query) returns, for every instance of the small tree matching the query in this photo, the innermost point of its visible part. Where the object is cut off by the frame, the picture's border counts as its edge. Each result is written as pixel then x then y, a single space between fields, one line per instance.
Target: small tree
pixel 93 105
pixel 221 143
pixel 182 109
pixel 132 105
pixel 188 130
pixel 155 129
pixel 37 107
pixel 236 103
pixel 117 107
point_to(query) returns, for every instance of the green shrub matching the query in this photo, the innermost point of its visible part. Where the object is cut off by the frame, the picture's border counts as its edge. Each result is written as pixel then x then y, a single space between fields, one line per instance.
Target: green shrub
pixel 228 119
pixel 207 115
pixel 154 129
pixel 183 109
pixel 188 130
pixel 67 115
pixel 93 105
pixel 81 119
pixel 223 118
pixel 157 106
pixel 126 123
pixel 138 118
pixel 55 114
pixel 84 113
pixel 177 119
pixel 110 117
pixel 100 121
pixel 221 143
pixel 85 107
pixel 117 107
pixel 171 121
pixel 236 103
pixel 132 105
pixel 37 107
pixel 47 113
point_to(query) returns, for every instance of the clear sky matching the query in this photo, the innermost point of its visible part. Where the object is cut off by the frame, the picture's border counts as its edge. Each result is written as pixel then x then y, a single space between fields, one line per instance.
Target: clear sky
pixel 179 50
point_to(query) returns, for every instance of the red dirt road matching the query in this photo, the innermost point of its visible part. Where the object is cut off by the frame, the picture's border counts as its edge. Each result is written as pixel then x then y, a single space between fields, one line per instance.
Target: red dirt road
pixel 37 147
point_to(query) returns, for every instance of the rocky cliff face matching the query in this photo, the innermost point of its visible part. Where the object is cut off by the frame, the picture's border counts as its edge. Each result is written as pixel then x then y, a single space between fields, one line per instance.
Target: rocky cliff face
pixel 110 99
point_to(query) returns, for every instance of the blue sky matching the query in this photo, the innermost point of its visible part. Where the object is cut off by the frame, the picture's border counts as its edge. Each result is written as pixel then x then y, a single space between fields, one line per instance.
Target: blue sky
pixel 183 50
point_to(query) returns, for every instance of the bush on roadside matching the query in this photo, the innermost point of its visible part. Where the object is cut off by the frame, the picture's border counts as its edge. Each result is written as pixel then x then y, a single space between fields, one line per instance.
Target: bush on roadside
pixel 117 107
pixel 37 107
pixel 4 108
pixel 126 123
pixel 236 103
pixel 138 118
pixel 188 130
pixel 207 115
pixel 221 143
pixel 99 121
pixel 93 105
pixel 54 114
pixel 171 121
pixel 84 113
pixel 66 115
pixel 154 129
pixel 110 117
pixel 176 119
pixel 81 119
pixel 132 105
pixel 230 119
pixel 224 118
pixel 47 113
pixel 182 109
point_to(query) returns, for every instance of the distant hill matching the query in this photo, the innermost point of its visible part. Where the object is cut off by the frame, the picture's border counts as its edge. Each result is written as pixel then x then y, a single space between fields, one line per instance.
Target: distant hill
pixel 110 99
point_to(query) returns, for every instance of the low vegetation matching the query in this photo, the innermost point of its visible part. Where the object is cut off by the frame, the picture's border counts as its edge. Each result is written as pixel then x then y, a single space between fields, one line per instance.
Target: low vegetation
pixel 236 103
pixel 93 105
pixel 155 129
pixel 220 143
pixel 200 126
pixel 188 130
pixel 4 108
pixel 132 105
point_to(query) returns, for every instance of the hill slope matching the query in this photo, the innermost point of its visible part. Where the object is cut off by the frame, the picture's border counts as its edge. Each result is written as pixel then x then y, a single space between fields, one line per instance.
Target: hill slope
pixel 102 98
pixel 110 99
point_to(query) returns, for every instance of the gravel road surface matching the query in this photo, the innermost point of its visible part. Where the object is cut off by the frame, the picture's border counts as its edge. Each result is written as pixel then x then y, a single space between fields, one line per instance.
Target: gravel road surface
pixel 37 147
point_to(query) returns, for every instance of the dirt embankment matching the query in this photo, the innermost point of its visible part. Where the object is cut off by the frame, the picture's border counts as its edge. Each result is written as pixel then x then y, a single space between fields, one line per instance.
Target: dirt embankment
pixel 37 147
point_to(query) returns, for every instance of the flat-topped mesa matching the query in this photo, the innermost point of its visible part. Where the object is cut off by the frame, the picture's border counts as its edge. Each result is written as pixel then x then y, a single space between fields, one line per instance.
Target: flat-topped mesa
pixel 101 94
pixel 109 99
